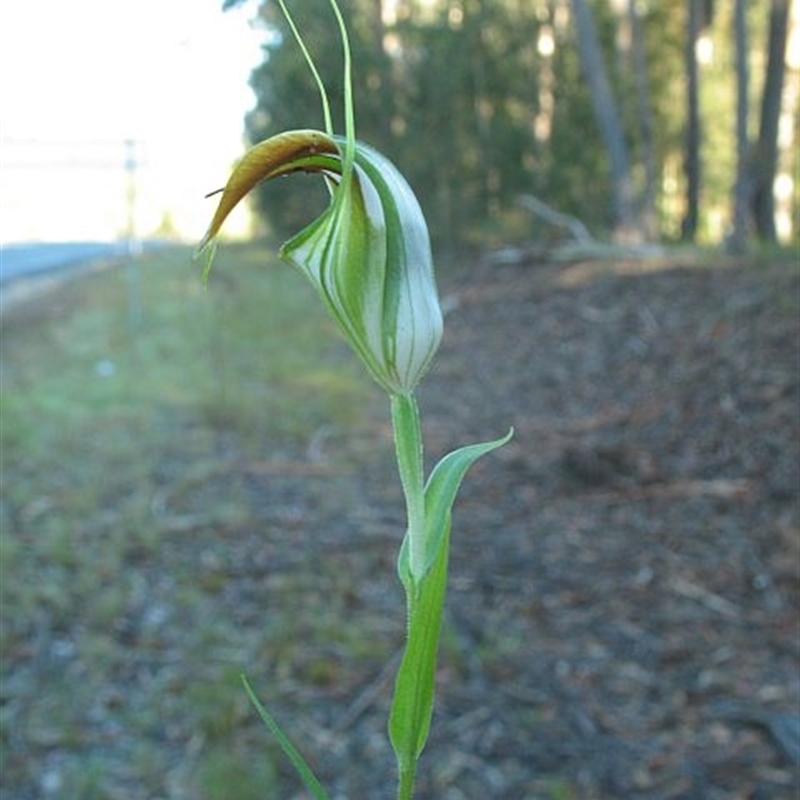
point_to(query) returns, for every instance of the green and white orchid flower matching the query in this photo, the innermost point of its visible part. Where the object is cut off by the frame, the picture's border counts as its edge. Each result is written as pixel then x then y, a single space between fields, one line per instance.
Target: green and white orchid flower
pixel 369 256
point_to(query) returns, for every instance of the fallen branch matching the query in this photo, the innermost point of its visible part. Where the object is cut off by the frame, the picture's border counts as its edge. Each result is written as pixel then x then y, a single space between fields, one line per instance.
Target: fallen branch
pixel 578 231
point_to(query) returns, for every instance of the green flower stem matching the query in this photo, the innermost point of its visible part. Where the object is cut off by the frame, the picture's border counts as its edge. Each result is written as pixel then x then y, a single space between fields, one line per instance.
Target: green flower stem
pixel 405 784
pixel 326 108
pixel 408 444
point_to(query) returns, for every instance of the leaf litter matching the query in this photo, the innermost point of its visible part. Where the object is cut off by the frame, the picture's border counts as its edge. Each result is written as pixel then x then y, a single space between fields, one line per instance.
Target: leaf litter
pixel 622 619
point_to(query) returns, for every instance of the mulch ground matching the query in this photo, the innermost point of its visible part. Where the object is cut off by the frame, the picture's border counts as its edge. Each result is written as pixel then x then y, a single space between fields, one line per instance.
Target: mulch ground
pixel 622 615
pixel 623 610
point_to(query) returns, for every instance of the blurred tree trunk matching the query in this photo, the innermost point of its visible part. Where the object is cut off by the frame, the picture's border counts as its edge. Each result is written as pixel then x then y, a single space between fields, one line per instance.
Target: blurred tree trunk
pixel 645 115
pixel 765 157
pixel 691 164
pixel 608 120
pixel 481 98
pixel 741 188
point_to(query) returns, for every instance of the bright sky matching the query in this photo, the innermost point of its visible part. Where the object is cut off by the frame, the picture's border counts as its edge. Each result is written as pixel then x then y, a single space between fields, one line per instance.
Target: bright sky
pixel 79 77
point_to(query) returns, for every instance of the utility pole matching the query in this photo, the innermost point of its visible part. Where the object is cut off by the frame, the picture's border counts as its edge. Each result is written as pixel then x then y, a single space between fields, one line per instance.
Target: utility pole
pixel 134 244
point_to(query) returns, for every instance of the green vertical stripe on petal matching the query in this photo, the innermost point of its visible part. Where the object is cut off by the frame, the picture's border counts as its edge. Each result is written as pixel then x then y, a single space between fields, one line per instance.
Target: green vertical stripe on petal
pixel 369 255
pixel 411 316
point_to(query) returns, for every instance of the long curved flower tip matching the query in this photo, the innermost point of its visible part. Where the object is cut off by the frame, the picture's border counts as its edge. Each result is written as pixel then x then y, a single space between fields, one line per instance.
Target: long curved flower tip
pixel 279 155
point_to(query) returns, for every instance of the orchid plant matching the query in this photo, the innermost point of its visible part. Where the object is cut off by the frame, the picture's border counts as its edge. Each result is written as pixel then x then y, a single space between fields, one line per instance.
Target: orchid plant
pixel 369 257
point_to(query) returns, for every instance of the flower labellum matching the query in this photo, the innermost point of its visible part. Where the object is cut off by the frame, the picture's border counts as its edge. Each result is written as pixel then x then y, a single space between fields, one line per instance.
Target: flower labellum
pixel 368 254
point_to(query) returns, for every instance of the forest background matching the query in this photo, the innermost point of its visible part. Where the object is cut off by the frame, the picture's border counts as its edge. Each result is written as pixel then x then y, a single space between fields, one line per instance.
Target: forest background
pixel 646 120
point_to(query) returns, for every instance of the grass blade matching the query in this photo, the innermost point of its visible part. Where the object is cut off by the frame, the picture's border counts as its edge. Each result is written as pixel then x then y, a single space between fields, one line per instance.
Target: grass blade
pixel 290 751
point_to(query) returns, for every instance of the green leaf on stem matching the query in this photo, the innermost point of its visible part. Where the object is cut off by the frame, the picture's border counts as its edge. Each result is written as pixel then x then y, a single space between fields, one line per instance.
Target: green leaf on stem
pixel 443 485
pixel 412 705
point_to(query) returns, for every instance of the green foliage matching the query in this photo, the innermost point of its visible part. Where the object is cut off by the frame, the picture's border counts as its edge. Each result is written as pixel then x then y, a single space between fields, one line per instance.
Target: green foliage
pixel 462 178
pixel 452 93
pixel 476 112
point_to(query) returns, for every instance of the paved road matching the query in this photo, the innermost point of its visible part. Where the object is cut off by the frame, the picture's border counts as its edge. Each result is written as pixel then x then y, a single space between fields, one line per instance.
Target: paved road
pixel 27 260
